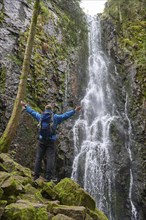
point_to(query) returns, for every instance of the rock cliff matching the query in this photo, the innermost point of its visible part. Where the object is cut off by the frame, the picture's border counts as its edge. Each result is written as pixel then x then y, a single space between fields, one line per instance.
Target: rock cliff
pixel 123 33
pixel 59 58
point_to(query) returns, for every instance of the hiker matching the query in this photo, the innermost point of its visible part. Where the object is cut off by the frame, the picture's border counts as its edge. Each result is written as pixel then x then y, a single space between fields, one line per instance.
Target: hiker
pixel 48 122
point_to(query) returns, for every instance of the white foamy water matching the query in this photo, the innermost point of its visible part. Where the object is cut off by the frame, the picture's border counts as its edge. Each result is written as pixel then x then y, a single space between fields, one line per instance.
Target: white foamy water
pixel 134 214
pixel 93 163
pixel 92 167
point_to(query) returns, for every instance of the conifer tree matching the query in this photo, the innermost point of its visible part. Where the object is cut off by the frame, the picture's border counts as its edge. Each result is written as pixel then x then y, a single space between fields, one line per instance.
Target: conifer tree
pixel 12 125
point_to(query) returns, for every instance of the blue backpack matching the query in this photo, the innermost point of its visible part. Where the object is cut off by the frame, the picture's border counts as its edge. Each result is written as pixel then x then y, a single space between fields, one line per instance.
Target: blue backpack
pixel 46 125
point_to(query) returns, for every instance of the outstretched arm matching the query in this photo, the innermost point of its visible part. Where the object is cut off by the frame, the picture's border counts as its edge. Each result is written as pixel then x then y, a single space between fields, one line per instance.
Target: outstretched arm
pixel 29 110
pixel 68 114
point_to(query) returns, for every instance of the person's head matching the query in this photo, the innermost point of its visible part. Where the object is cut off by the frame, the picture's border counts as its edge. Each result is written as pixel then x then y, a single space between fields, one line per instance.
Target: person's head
pixel 49 107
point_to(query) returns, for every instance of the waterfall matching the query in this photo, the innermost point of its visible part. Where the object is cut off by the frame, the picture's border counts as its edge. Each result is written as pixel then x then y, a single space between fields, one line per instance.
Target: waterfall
pixel 134 213
pixel 92 166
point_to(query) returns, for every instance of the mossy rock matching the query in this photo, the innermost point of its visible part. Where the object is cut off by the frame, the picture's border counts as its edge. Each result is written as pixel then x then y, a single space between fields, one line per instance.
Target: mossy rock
pixel 24 210
pixel 29 189
pixel 11 166
pixel 29 197
pixel 39 197
pixel 62 217
pixel 49 192
pixel 3 176
pixel 24 180
pixel 75 212
pixel 52 204
pixel 12 186
pixel 32 194
pixel 97 214
pixel 2 167
pixel 88 217
pixel 39 183
pixel 1 192
pixel 3 203
pixel 70 193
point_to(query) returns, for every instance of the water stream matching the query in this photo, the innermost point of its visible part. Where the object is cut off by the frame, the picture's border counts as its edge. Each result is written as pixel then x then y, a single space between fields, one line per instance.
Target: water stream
pixel 134 214
pixel 92 166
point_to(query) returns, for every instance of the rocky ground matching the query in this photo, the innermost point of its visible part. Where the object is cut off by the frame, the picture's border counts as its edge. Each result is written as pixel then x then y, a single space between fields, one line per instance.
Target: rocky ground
pixel 24 199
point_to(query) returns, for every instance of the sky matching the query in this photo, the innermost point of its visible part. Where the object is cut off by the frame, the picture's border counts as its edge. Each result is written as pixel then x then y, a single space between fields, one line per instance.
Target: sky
pixel 93 7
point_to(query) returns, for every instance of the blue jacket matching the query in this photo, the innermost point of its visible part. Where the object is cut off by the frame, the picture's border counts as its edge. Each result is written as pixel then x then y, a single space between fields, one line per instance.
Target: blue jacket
pixel 57 118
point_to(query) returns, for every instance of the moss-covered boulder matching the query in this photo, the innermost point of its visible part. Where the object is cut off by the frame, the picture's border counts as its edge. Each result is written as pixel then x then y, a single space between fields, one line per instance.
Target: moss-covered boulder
pixel 2 168
pixel 75 212
pixel 88 217
pixel 3 203
pixel 24 199
pixel 29 189
pixel 49 192
pixel 11 166
pixel 3 176
pixel 61 217
pixel 1 193
pixel 97 214
pixel 12 186
pixel 32 194
pixel 24 210
pixel 70 193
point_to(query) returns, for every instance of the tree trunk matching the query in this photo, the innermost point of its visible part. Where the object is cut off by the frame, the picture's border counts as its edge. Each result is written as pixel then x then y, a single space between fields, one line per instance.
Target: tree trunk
pixel 12 125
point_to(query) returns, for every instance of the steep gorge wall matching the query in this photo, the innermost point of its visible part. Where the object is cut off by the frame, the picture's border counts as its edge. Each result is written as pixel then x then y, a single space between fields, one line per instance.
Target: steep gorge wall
pixel 124 36
pixel 60 42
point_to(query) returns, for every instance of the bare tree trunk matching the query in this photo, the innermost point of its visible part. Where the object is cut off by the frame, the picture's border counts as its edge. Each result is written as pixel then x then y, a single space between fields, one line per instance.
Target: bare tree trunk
pixel 12 125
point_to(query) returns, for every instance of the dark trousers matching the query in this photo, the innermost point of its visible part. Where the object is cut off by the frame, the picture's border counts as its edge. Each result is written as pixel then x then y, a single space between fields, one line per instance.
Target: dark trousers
pixel 45 148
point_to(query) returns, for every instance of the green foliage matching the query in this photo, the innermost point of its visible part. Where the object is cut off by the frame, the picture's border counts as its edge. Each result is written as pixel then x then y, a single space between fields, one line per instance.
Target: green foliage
pixel 72 22
pixel 70 7
pixel 1 16
pixel 2 78
pixel 128 18
pixel 44 11
pixel 15 59
pixel 2 13
pixel 29 1
pixel 44 65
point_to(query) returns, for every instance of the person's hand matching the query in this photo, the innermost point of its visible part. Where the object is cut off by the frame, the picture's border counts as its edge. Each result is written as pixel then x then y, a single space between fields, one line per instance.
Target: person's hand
pixel 78 108
pixel 23 104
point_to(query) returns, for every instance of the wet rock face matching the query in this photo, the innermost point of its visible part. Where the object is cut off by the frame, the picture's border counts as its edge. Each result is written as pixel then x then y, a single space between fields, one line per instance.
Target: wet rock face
pixel 117 29
pixel 16 17
pixel 53 77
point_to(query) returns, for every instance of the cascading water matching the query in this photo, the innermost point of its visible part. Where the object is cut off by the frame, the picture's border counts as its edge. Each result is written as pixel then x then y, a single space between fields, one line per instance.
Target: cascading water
pixel 92 163
pixel 128 145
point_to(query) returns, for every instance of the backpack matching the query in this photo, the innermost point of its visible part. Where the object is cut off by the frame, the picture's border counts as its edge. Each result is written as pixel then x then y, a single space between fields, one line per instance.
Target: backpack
pixel 46 125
